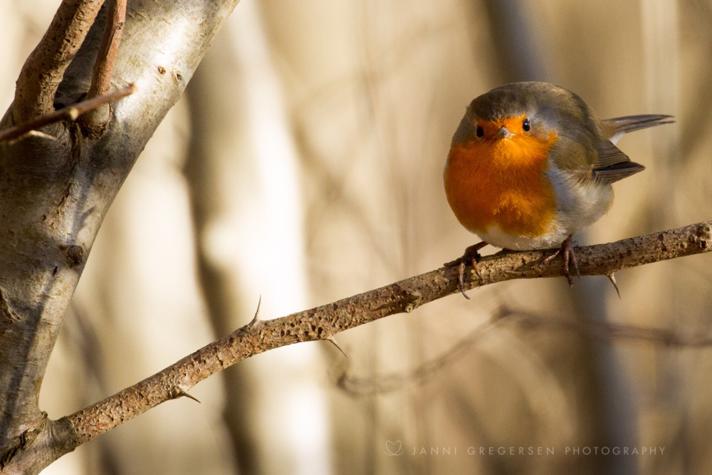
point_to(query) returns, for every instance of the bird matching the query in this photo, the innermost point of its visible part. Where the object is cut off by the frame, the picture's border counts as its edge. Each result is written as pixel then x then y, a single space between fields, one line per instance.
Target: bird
pixel 530 165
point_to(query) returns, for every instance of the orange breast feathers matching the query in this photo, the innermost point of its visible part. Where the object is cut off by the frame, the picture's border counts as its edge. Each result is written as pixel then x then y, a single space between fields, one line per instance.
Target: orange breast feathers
pixel 502 181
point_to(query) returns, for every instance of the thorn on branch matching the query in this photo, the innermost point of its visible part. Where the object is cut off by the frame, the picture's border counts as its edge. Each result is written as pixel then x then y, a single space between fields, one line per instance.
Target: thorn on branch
pixel 256 316
pixel 336 345
pixel 178 392
pixel 612 279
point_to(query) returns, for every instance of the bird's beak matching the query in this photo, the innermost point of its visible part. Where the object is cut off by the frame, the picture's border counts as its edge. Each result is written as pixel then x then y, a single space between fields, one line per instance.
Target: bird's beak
pixel 504 133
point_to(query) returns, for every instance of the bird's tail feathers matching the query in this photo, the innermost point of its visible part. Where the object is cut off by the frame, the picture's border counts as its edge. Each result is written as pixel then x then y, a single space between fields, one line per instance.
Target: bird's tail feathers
pixel 615 127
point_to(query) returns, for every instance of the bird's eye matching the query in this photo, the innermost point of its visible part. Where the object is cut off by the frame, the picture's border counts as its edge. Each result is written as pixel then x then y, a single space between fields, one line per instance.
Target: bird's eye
pixel 526 125
pixel 480 131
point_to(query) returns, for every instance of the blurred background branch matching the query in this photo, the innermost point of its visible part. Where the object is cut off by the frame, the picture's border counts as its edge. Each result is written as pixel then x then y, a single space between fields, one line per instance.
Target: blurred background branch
pixel 424 373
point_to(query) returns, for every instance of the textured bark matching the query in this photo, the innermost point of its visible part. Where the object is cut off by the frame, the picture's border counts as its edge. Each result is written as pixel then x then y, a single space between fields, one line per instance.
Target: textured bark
pixel 321 323
pixel 55 193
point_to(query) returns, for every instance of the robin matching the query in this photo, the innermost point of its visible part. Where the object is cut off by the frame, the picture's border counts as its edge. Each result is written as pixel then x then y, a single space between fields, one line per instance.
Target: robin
pixel 530 165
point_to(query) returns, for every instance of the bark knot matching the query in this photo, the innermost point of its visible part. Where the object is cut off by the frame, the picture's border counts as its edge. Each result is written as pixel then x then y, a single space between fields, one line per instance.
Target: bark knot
pixel 703 235
pixel 19 443
pixel 413 298
pixel 74 255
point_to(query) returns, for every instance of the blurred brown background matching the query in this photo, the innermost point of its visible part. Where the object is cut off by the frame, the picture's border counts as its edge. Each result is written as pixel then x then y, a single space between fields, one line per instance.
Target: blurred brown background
pixel 304 165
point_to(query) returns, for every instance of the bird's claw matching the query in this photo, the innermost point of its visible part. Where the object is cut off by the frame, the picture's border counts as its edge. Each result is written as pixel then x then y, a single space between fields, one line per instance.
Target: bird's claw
pixel 566 251
pixel 471 256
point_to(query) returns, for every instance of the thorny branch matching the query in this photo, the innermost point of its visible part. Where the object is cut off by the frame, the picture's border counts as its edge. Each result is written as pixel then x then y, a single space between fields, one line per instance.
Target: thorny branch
pixel 321 323
pixel 380 384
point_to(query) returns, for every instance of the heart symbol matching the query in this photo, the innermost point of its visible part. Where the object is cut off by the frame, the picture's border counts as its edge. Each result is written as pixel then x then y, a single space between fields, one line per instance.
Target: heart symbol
pixel 394 447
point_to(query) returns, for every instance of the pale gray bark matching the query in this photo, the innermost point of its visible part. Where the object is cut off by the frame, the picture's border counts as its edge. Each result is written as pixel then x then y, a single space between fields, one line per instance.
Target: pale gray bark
pixel 55 193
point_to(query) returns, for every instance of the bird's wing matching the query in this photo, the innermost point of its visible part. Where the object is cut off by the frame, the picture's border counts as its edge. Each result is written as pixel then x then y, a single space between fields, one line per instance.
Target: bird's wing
pixel 612 164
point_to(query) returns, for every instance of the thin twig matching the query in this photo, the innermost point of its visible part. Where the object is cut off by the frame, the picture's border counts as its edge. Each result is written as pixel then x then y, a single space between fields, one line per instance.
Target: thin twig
pixel 323 322
pixel 368 386
pixel 44 69
pixel 66 113
pixel 609 331
pixel 104 66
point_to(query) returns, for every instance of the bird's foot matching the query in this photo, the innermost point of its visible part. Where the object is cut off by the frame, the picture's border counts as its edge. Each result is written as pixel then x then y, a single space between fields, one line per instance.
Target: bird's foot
pixel 569 256
pixel 472 257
